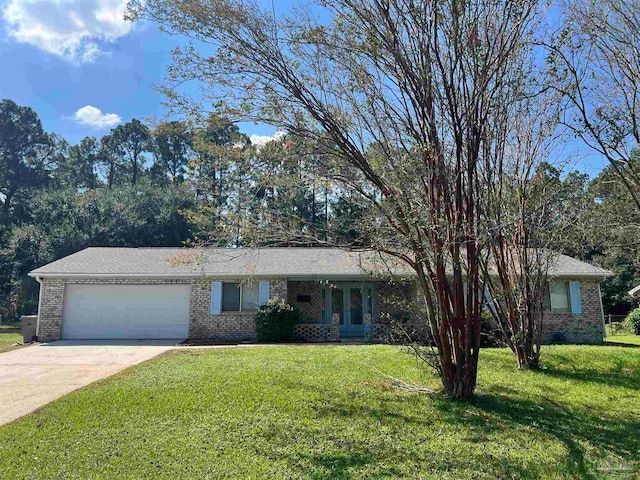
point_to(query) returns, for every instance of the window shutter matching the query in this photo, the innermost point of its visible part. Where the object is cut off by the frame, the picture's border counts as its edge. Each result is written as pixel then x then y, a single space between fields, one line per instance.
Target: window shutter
pixel 574 296
pixel 263 293
pixel 216 298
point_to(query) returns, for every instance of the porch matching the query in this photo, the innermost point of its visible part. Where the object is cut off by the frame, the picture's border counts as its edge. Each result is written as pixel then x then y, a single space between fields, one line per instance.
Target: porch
pixel 336 311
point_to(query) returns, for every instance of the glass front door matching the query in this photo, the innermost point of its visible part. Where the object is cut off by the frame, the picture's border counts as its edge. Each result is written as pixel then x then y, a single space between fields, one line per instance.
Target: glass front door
pixel 337 304
pixel 352 303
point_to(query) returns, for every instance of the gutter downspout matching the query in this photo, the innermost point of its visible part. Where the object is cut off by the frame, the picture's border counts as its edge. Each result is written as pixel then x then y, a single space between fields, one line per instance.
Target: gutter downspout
pixel 39 280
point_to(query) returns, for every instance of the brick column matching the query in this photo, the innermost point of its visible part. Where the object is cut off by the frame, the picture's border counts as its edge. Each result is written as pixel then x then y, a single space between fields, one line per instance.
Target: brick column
pixel 50 313
pixel 335 327
pixel 278 288
pixel 199 307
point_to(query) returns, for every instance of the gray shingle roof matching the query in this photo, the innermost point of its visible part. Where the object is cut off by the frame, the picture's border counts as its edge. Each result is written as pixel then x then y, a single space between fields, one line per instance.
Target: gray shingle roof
pixel 262 262
pixel 565 266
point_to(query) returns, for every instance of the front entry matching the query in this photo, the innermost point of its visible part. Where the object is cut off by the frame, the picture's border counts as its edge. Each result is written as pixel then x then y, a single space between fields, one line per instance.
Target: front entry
pixel 352 303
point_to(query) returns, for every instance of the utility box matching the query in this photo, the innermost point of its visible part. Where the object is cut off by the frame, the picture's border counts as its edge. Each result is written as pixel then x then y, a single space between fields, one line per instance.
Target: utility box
pixel 28 324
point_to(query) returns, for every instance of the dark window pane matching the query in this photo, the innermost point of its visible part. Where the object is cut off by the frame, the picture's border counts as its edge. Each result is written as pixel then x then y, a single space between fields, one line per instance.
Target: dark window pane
pixel 230 297
pixel 325 314
pixel 369 301
pixel 337 303
pixel 356 306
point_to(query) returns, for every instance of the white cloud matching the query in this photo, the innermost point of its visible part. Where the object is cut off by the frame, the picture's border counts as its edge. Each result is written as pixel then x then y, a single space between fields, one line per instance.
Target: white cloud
pixel 262 140
pixel 75 30
pixel 92 116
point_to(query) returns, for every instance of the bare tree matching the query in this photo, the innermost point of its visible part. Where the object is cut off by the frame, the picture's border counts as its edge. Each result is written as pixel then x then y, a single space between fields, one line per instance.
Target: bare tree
pixel 596 60
pixel 520 216
pixel 402 95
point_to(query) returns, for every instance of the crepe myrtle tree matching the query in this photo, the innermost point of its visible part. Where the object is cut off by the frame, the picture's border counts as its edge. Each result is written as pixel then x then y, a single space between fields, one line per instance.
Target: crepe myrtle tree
pixel 522 215
pixel 402 94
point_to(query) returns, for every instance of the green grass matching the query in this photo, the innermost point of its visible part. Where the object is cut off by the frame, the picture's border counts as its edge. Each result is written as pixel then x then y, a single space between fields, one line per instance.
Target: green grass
pixel 327 412
pixel 625 338
pixel 9 326
pixel 7 339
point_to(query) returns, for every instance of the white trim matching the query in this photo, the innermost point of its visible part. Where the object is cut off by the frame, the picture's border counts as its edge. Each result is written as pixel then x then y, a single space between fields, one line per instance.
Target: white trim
pixel 295 277
pixel 39 305
pixel 150 276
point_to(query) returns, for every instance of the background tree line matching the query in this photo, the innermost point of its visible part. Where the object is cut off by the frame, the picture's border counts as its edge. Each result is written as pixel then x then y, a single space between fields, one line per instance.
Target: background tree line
pixel 172 183
pixel 143 185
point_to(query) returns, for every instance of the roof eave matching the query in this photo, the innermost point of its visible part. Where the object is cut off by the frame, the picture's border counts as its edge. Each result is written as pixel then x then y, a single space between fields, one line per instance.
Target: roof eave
pixel 602 275
pixel 36 274
pixel 323 276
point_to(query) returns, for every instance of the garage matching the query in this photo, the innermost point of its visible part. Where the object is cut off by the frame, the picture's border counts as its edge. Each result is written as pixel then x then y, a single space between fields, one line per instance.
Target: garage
pixel 130 312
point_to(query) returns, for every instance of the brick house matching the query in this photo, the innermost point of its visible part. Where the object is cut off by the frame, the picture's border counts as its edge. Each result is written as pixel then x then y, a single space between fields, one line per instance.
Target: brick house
pixel 167 293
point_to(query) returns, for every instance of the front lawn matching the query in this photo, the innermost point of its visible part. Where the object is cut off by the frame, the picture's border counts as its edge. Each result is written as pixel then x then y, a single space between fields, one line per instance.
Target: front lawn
pixel 8 337
pixel 328 412
pixel 624 338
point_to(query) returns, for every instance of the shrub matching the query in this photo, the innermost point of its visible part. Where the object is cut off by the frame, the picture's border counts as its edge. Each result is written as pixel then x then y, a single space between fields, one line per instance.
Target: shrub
pixel 490 333
pixel 632 322
pixel 276 321
pixel 619 327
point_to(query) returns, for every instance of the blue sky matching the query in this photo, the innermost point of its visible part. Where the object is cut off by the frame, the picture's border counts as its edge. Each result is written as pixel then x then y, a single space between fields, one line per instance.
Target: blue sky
pixel 83 69
pixel 62 57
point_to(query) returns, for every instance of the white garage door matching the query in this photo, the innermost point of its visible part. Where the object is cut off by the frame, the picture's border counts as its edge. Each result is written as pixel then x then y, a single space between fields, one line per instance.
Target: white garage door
pixel 125 312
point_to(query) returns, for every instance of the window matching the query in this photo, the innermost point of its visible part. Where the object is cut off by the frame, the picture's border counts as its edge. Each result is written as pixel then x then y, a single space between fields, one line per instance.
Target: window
pixel 558 297
pixel 230 297
pixel 250 296
pixel 235 296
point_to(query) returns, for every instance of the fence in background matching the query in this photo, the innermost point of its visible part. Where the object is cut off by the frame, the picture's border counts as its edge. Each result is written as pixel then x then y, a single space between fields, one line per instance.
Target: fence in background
pixel 614 323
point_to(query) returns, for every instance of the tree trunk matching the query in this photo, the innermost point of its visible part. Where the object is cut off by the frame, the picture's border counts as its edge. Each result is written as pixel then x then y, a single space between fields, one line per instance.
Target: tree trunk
pixel 6 205
pixel 134 170
pixel 111 175
pixel 457 387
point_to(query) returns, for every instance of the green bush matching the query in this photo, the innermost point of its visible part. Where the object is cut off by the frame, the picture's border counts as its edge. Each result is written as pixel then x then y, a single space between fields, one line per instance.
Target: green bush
pixel 618 327
pixel 632 322
pixel 276 321
pixel 490 333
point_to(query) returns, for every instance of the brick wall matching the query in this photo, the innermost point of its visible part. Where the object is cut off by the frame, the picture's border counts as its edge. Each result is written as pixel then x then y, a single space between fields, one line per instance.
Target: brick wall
pixel 311 311
pixel 228 325
pixel 50 314
pixel 577 328
pixel 557 327
pixel 568 327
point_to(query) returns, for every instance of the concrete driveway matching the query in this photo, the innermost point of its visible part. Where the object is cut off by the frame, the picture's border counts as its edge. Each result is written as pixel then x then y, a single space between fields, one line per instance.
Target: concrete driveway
pixel 34 376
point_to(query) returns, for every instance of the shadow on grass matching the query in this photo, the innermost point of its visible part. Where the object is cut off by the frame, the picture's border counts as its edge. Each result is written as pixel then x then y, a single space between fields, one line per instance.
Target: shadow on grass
pixel 617 375
pixel 572 427
pixel 342 465
pixel 410 448
pixel 620 344
pixel 586 434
